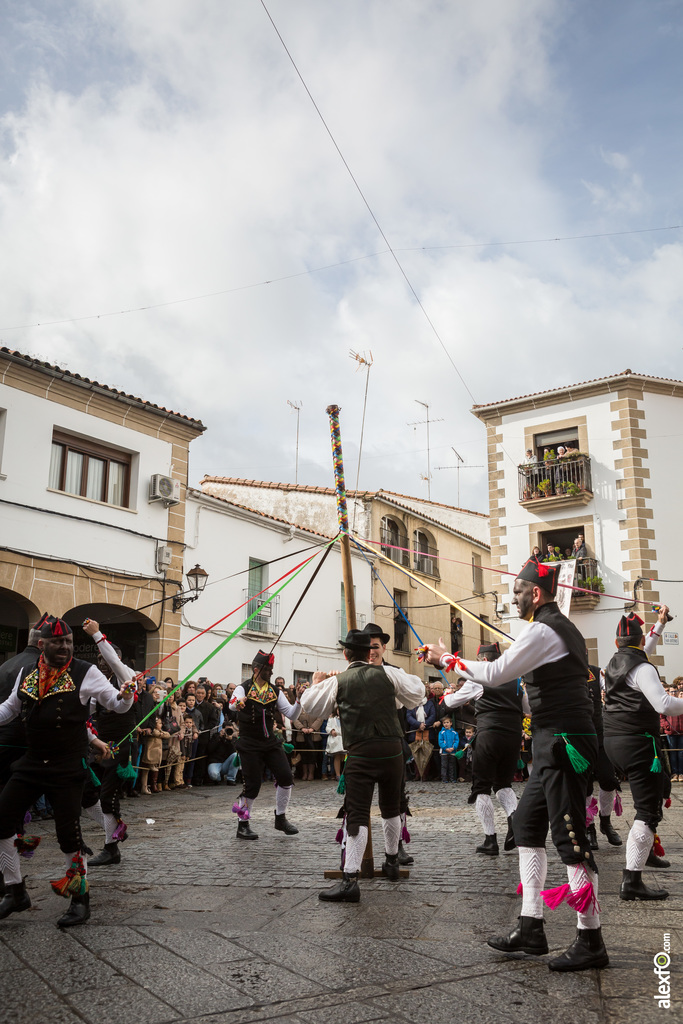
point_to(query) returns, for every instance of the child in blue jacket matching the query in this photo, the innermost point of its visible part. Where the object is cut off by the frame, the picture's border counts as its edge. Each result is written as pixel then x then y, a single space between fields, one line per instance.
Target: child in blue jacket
pixel 448 742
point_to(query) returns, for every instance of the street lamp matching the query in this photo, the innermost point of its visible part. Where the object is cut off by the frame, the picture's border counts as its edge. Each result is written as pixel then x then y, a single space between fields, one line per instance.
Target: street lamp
pixel 196 578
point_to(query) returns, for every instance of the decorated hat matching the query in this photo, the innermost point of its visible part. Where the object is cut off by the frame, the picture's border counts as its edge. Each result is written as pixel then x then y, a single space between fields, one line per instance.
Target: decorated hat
pixel 357 638
pixel 490 651
pixel 262 659
pixel 372 629
pixel 51 627
pixel 630 626
pixel 541 575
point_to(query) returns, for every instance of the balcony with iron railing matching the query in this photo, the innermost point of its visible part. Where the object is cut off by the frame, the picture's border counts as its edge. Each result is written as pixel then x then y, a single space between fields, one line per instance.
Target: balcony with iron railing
pixel 588 577
pixel 555 483
pixel 268 618
pixel 426 560
pixel 392 543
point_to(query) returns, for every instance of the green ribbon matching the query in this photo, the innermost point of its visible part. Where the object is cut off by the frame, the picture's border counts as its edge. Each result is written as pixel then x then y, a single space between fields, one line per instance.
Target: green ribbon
pixel 577 760
pixel 656 765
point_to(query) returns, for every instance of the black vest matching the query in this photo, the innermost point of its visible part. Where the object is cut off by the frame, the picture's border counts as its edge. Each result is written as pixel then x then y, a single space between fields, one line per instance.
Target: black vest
pixel 557 691
pixel 366 699
pixel 112 726
pixel 256 719
pixel 595 694
pixel 627 710
pixel 55 726
pixel 500 708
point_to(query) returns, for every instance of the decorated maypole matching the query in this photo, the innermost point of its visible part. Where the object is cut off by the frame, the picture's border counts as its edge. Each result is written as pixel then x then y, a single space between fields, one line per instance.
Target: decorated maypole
pixel 342 515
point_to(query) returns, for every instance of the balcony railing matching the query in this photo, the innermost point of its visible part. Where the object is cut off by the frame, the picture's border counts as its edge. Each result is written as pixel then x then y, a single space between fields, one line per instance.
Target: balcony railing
pixel 391 544
pixel 426 560
pixel 341 622
pixel 268 618
pixel 568 477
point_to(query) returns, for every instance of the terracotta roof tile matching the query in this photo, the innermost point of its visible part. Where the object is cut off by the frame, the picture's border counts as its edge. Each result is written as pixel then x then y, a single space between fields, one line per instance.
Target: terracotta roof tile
pixel 581 384
pixel 67 375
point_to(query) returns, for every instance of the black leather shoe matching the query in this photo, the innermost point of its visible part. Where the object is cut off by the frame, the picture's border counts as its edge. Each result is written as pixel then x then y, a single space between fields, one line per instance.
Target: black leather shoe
pixel 404 857
pixel 592 842
pixel 608 830
pixel 633 888
pixel 390 866
pixel 109 855
pixel 510 843
pixel 489 846
pixel 15 900
pixel 345 891
pixel 282 825
pixel 244 831
pixel 78 912
pixel 528 936
pixel 586 951
pixel 653 861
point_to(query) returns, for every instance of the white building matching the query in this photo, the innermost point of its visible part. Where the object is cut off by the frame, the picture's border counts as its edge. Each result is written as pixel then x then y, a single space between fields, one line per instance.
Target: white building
pixel 621 488
pixel 85 529
pixel 238 547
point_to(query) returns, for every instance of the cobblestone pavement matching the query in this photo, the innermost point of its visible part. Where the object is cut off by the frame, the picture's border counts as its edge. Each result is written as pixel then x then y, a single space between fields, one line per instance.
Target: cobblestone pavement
pixel 196 926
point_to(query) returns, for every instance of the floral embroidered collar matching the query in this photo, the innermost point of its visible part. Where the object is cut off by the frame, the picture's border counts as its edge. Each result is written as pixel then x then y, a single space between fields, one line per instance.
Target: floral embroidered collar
pixel 45 680
pixel 261 694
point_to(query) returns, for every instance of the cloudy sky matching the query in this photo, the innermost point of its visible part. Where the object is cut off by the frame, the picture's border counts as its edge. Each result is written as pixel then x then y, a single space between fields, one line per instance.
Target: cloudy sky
pixel 166 154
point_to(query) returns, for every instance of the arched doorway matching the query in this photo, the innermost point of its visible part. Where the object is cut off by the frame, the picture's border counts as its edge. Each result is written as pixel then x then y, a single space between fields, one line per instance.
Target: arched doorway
pixel 124 627
pixel 16 614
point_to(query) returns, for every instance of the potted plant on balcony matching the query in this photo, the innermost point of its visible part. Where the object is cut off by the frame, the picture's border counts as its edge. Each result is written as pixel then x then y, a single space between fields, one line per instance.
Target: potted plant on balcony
pixel 570 489
pixel 545 487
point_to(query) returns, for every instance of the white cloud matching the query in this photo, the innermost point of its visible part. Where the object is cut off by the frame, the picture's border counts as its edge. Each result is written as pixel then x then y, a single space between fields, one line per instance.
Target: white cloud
pixel 190 160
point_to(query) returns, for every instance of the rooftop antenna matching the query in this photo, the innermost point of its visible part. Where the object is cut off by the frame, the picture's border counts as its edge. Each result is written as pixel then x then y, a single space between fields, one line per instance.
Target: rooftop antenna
pixel 296 406
pixel 459 463
pixel 418 423
pixel 362 361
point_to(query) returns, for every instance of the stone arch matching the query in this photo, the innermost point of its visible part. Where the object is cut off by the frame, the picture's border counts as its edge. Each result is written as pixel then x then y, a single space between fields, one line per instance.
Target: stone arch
pixel 128 628
pixel 17 613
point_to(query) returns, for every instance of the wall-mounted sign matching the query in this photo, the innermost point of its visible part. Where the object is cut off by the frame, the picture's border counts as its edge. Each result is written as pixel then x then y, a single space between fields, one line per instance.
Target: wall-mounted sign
pixel 670 638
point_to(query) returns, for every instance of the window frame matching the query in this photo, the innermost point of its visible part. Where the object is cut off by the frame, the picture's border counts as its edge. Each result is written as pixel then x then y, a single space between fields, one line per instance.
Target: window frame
pixel 92 449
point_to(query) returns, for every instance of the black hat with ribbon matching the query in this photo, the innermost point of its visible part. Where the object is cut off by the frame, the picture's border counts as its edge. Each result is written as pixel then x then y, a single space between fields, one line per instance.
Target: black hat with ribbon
pixel 51 628
pixel 261 659
pixel 541 575
pixel 630 627
pixel 489 651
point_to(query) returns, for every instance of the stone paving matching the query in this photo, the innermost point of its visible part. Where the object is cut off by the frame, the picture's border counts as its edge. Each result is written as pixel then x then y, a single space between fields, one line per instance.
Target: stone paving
pixel 196 926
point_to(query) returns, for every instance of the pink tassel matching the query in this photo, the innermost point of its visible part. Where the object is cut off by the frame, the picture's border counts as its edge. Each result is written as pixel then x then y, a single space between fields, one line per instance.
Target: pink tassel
pixel 120 832
pixel 618 809
pixel 553 897
pixel 520 889
pixel 339 838
pixel 582 900
pixel 405 834
pixel 591 810
pixel 242 811
pixel 657 847
pixel 27 818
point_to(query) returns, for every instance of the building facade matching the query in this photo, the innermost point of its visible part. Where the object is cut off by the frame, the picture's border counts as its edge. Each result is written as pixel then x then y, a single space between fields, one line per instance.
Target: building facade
pixel 615 485
pixel 247 554
pixel 408 536
pixel 92 504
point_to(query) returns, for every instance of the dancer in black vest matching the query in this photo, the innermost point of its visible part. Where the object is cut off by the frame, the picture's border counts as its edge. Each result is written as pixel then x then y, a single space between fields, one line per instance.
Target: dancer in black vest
pixel 53 701
pixel 366 696
pixel 603 773
pixel 634 700
pixel 551 656
pixel 496 748
pixel 258 746
pixel 378 646
pixel 112 728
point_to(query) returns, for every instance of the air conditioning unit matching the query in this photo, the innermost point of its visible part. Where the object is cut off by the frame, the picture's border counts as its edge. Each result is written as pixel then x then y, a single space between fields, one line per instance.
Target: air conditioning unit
pixel 164 489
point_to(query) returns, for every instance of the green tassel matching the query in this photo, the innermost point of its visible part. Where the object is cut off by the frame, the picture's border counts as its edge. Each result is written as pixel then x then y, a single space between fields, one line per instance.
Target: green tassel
pixel 288 747
pixel 459 753
pixel 341 785
pixel 126 773
pixel 237 763
pixel 96 781
pixel 577 760
pixel 520 765
pixel 656 765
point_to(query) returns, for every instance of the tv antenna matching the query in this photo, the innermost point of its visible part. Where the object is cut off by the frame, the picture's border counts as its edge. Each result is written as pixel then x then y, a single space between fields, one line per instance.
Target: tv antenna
pixel 363 360
pixel 459 464
pixel 296 406
pixel 418 423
